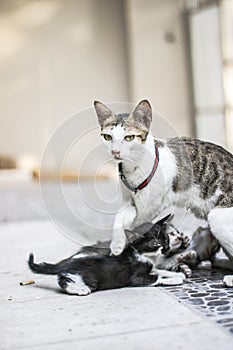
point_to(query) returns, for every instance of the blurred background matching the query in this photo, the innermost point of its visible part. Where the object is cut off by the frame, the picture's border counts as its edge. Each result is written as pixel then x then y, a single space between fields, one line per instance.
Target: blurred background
pixel 58 56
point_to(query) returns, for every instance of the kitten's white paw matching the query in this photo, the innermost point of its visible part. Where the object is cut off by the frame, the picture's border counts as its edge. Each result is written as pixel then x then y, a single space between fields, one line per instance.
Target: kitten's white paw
pixel 169 281
pixel 117 246
pixel 174 281
pixel 76 290
pixel 228 280
pixel 180 275
pixel 74 284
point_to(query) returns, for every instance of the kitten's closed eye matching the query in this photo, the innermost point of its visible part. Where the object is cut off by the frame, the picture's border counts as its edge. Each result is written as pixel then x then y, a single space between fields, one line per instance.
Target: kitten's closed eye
pixel 107 137
pixel 129 138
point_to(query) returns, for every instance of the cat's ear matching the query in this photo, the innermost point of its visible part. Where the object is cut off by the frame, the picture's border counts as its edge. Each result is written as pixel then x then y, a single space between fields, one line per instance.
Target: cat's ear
pixel 132 235
pixel 143 114
pixel 102 111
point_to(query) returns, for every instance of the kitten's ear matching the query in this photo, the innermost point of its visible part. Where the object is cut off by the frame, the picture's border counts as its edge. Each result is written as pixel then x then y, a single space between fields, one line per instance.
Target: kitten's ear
pixel 143 113
pixel 102 111
pixel 132 235
pixel 165 219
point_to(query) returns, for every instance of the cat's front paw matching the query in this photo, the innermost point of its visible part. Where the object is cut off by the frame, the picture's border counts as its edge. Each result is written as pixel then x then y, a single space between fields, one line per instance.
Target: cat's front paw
pixel 117 246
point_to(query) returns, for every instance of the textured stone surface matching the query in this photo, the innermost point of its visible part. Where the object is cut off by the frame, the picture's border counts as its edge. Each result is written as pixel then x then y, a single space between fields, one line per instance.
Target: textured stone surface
pixel 205 292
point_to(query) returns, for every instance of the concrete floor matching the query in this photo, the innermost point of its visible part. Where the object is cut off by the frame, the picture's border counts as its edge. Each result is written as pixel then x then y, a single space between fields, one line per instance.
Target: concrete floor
pixel 40 316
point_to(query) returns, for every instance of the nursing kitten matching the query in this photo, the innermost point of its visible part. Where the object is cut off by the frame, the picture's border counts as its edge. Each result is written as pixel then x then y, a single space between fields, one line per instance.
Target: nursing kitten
pixel 204 244
pixel 82 274
pixel 156 174
pixel 206 247
pixel 178 257
pixel 177 242
pixel 171 260
pixel 200 252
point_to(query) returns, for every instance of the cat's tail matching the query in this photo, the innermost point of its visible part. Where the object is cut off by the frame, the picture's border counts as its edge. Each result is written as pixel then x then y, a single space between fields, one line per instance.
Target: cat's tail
pixel 43 268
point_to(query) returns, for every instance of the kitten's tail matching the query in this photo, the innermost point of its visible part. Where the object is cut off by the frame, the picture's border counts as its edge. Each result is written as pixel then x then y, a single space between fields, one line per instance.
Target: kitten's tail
pixel 43 268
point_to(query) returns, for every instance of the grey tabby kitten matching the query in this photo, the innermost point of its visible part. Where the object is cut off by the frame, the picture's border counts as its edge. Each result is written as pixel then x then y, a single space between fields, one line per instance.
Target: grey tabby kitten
pixel 156 174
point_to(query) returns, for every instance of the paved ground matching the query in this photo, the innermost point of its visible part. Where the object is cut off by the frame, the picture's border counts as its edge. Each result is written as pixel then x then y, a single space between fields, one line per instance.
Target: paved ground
pixel 39 316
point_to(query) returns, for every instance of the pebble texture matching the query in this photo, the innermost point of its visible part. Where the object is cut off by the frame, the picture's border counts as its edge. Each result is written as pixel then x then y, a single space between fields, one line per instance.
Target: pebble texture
pixel 205 292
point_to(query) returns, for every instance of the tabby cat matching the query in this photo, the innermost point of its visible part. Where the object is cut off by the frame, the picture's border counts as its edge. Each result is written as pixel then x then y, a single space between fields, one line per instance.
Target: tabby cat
pixel 156 174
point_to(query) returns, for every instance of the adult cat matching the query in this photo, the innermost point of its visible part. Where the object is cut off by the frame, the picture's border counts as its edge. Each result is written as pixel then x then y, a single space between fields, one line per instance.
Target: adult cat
pixel 156 174
pixel 83 273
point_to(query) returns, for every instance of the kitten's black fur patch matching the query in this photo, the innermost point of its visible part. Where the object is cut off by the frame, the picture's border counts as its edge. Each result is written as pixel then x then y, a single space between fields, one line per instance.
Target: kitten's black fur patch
pixel 108 272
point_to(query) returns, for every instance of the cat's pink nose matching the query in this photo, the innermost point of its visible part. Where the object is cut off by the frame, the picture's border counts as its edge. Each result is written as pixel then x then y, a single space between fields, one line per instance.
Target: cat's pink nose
pixel 116 154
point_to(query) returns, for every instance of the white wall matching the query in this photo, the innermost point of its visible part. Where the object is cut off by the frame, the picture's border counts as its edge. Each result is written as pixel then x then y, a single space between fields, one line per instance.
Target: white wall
pixel 56 57
pixel 208 74
pixel 158 66
pixel 226 11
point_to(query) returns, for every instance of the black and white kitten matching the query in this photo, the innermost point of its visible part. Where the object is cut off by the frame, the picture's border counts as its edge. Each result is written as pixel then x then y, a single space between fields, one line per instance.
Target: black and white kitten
pixel 81 275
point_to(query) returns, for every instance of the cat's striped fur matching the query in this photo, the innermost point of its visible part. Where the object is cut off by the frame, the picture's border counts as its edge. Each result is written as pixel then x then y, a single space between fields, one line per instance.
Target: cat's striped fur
pixel 193 174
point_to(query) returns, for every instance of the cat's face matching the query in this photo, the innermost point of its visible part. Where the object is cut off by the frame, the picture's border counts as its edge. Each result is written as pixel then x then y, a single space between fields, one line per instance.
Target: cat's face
pixel 152 241
pixel 124 133
pixel 175 238
pixel 155 238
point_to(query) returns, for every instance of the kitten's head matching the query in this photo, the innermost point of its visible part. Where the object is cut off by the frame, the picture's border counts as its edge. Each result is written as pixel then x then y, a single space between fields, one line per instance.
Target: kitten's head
pixel 123 132
pixel 155 238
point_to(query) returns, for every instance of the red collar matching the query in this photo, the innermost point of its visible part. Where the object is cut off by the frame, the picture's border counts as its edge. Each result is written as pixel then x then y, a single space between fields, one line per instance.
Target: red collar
pixel 146 181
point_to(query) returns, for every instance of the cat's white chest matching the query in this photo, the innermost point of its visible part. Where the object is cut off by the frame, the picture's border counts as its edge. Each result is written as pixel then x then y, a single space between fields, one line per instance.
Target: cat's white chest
pixel 149 204
pixel 151 200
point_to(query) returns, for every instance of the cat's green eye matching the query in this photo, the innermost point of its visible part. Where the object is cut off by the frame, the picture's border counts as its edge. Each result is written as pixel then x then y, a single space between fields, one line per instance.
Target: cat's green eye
pixel 129 138
pixel 107 137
